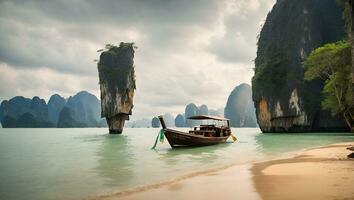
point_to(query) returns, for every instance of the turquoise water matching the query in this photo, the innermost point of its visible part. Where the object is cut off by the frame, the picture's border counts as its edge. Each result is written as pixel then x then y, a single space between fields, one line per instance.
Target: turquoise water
pixel 78 163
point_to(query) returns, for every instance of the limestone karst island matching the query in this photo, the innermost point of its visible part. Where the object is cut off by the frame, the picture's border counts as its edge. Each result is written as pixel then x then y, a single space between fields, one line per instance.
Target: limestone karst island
pixel 117 84
pixel 212 99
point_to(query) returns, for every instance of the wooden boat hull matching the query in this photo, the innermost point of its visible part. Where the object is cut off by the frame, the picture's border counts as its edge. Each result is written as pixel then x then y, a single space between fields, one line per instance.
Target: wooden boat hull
pixel 182 139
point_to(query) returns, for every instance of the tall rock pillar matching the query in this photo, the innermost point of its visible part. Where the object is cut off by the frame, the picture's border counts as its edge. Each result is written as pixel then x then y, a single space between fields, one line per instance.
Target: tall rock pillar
pixel 283 101
pixel 117 84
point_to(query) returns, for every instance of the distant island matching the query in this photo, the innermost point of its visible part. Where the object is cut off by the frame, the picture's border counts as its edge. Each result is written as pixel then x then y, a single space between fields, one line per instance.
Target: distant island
pixel 81 110
pixel 84 110
pixel 239 109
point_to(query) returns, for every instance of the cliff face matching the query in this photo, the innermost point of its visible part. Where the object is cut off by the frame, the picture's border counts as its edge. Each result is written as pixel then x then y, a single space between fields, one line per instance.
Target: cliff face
pixel 19 105
pixel 193 110
pixel 55 104
pixel 180 121
pixel 239 107
pixel 84 111
pixel 283 101
pixel 66 119
pixel 117 84
pixel 85 108
pixel 24 112
pixel 203 110
pixel 190 110
pixel 155 123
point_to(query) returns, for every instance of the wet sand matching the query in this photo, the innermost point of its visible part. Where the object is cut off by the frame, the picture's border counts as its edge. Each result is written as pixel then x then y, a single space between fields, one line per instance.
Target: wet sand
pixel 226 183
pixel 322 173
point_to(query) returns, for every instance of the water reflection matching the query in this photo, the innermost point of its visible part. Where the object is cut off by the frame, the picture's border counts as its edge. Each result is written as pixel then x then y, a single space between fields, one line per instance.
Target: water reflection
pixel 272 143
pixel 115 160
pixel 197 156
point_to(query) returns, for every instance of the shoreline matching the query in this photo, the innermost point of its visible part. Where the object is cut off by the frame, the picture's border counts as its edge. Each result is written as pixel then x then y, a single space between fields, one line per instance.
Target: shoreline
pixel 320 173
pixel 190 185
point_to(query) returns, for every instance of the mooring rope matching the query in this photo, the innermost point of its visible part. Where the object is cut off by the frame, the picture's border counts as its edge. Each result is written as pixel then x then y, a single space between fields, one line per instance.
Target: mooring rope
pixel 160 136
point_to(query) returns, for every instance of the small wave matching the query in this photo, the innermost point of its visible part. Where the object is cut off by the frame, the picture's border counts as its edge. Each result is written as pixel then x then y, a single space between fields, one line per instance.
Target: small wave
pixel 172 181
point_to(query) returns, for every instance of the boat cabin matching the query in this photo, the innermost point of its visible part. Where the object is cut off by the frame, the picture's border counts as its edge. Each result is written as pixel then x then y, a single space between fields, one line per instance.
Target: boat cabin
pixel 215 127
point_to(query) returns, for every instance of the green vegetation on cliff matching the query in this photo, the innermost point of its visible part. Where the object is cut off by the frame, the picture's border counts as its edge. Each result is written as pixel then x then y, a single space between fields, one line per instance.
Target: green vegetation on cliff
pixel 332 63
pixel 27 120
pixel 284 101
pixel 66 119
pixel 114 65
pixel 117 84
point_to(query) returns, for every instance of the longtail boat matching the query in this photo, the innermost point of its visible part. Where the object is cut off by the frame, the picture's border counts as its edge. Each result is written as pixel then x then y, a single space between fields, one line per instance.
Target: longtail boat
pixel 202 135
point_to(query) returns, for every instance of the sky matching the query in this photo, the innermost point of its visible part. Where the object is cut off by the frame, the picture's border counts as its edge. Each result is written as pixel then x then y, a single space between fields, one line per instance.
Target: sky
pixel 188 51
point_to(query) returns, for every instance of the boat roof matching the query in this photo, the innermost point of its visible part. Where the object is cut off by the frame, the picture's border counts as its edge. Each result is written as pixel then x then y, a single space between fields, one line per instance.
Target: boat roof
pixel 207 117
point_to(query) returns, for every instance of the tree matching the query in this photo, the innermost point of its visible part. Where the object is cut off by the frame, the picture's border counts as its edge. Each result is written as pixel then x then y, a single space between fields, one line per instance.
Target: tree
pixel 332 63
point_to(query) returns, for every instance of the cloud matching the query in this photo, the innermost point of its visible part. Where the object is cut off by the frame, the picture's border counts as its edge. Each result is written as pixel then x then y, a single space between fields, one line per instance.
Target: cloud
pixel 189 51
pixel 241 25
pixel 30 82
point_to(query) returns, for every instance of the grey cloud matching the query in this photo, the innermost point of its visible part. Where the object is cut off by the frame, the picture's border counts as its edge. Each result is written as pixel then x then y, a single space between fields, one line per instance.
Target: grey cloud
pixel 118 12
pixel 43 33
pixel 178 42
pixel 133 11
pixel 241 29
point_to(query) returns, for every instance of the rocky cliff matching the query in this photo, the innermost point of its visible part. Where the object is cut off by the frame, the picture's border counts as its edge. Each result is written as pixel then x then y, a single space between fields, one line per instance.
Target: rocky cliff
pixel 66 119
pixel 284 103
pixel 190 110
pixel 55 104
pixel 83 109
pixel 117 84
pixel 155 123
pixel 203 110
pixel 240 108
pixel 24 112
pixel 180 121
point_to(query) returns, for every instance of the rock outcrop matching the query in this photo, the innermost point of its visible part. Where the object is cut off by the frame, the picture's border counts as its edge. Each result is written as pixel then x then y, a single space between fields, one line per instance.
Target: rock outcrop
pixel 180 121
pixel 203 110
pixel 15 112
pixel 240 107
pixel 191 110
pixel 117 84
pixel 155 123
pixel 66 119
pixel 55 104
pixel 85 108
pixel 26 120
pixel 283 101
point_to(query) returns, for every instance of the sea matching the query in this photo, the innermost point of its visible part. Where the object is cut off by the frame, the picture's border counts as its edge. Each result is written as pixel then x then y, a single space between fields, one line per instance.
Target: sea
pixel 80 163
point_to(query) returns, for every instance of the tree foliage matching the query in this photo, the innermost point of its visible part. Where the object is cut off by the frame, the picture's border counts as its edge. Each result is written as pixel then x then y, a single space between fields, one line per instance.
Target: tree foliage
pixel 332 63
pixel 114 68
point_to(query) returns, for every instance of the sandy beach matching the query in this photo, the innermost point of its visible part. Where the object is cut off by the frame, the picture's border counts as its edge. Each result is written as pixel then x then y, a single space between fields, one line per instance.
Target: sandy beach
pixel 321 173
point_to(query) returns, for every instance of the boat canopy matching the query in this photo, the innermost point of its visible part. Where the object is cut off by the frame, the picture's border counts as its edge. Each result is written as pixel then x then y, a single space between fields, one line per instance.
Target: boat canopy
pixel 207 117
